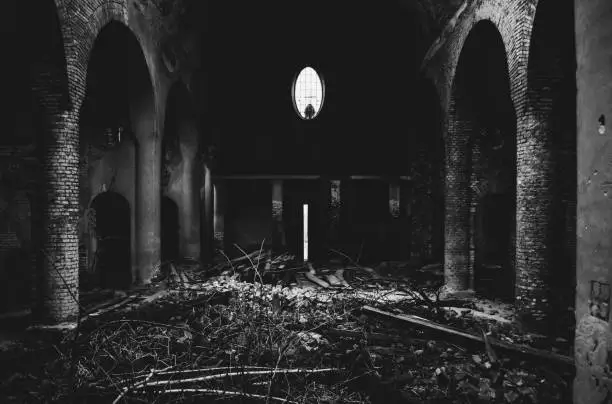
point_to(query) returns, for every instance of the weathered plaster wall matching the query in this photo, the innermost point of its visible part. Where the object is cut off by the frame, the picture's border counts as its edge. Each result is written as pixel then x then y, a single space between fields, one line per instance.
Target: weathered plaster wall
pixel 593 341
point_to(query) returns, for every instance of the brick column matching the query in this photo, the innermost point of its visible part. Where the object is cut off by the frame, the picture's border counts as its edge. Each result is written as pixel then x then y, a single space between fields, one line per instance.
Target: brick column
pixel 58 219
pixel 148 207
pixel 278 234
pixel 219 194
pixel 208 206
pixel 476 192
pixel 534 215
pixel 457 206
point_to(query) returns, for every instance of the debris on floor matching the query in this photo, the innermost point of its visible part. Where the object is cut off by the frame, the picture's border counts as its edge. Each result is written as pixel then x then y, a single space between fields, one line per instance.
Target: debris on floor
pixel 246 331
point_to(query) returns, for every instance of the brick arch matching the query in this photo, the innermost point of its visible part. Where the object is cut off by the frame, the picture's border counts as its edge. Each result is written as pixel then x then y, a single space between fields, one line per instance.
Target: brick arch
pixel 474 134
pixel 507 17
pixel 49 75
pixel 87 22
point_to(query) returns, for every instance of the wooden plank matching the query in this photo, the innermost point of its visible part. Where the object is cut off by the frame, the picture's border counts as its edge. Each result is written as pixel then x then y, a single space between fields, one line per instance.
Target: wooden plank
pixel 527 350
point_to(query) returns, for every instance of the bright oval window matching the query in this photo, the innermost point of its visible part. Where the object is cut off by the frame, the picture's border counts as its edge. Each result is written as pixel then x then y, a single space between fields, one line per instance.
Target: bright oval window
pixel 308 93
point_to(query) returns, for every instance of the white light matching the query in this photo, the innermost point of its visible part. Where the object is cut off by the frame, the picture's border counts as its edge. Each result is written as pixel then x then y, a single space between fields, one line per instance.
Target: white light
pixel 308 89
pixel 305 232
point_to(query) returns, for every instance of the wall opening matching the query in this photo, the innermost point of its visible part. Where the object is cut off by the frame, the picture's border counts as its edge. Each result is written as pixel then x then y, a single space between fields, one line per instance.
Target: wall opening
pixel 118 90
pixel 296 194
pixel 481 166
pixel 112 260
pixel 169 230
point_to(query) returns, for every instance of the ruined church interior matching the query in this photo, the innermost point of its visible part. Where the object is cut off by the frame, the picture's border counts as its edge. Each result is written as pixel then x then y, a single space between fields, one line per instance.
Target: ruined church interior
pixel 402 201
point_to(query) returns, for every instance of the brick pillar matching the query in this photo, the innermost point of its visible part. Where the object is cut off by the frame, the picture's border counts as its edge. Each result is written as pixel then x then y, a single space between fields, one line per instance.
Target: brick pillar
pixel 58 219
pixel 208 200
pixel 219 193
pixel 148 207
pixel 476 191
pixel 534 196
pixel 593 340
pixel 278 234
pixel 457 203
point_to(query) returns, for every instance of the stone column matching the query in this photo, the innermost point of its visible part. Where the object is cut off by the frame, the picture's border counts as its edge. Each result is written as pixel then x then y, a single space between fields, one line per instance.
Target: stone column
pixel 593 340
pixel 57 221
pixel 189 199
pixel 148 207
pixel 208 209
pixel 278 233
pixel 219 193
pixel 457 204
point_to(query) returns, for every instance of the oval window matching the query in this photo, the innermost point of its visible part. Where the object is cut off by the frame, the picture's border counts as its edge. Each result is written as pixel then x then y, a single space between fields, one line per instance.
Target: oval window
pixel 308 92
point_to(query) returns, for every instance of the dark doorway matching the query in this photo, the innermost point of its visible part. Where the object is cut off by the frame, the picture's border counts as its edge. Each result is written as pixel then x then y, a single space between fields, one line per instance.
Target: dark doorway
pixel 494 229
pixel 112 230
pixel 370 220
pixel 295 194
pixel 169 230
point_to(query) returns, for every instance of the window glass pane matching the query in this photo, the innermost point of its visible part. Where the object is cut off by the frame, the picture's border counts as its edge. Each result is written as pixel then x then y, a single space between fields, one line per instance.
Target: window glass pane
pixel 308 93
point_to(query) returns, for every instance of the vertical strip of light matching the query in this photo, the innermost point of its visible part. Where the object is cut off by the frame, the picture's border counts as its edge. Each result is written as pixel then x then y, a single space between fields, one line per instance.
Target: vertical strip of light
pixel 305 232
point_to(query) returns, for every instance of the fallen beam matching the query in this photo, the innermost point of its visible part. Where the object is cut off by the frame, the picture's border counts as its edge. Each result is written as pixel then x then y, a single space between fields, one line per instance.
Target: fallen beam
pixel 523 349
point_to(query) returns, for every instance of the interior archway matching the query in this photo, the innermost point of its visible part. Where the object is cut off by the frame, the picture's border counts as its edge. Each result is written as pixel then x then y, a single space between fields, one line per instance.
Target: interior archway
pixel 112 233
pixel 481 166
pixel 118 97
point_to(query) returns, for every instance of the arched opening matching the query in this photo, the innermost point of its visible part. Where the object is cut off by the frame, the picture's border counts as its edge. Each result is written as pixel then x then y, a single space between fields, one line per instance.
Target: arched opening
pixel 169 230
pixel 546 272
pixel 112 234
pixel 481 168
pixel 118 101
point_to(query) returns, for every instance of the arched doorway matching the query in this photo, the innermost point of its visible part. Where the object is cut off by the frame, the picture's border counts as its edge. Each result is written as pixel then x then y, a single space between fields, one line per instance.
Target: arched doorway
pixel 480 168
pixel 112 235
pixel 169 230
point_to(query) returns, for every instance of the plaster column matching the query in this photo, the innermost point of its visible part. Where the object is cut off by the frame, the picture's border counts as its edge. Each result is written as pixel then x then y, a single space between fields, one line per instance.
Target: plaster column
pixel 148 208
pixel 593 341
pixel 219 193
pixel 207 201
pixel 188 197
pixel 207 208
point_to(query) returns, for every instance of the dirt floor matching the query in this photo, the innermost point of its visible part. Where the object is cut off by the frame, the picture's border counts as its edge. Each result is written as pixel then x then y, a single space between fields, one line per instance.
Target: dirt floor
pixel 265 328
